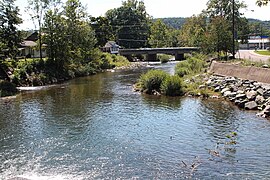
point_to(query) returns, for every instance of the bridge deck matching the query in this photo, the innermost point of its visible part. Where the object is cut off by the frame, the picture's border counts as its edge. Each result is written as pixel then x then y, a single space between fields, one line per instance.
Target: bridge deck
pixel 170 50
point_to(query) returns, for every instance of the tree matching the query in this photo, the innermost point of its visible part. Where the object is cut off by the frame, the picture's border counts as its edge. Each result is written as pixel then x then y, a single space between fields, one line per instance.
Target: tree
pixel 68 36
pixel 37 9
pixel 193 31
pixel 55 38
pixel 220 35
pixel 103 30
pixel 80 35
pixel 159 35
pixel 262 2
pixel 9 34
pixel 130 24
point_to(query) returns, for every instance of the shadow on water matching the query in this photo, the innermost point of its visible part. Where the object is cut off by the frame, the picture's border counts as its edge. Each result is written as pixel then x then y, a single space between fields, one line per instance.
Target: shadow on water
pixel 152 101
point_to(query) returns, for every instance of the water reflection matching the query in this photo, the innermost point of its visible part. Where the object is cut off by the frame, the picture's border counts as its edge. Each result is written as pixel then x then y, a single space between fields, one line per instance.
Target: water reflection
pixel 97 128
pixel 219 118
pixel 155 102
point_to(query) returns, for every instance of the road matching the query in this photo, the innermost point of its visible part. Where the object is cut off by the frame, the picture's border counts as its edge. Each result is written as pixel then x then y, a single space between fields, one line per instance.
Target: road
pixel 251 55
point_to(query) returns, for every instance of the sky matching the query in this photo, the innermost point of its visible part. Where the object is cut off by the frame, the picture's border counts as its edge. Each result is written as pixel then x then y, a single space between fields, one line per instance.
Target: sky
pixel 156 8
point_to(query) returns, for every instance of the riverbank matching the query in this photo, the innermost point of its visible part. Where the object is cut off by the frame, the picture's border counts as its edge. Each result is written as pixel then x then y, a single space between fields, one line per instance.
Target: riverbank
pixel 246 94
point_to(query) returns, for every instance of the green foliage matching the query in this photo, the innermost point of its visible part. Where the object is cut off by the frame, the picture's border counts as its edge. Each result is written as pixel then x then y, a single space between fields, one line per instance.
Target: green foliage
pixel 152 80
pixel 174 22
pixel 130 24
pixel 103 30
pixel 265 53
pixel 164 58
pixel 182 68
pixel 172 86
pixel 159 35
pixel 109 61
pixel 9 34
pixel 191 66
pixel 7 88
pixel 193 31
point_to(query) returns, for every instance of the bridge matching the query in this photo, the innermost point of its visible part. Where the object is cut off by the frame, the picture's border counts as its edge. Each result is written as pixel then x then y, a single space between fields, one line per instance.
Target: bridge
pixel 151 53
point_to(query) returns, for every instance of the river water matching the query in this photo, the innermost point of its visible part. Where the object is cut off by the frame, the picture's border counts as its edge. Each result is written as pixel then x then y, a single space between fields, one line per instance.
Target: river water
pixel 97 128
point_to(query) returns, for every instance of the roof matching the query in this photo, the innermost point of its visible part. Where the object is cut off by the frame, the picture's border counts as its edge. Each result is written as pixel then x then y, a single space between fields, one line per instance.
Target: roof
pixel 111 44
pixel 28 43
pixel 32 37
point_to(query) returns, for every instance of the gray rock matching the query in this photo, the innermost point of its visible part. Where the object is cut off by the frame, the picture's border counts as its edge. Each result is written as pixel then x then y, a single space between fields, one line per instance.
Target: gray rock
pixel 252 105
pixel 229 94
pixel 260 91
pixel 241 103
pixel 217 89
pixel 259 99
pixel 251 95
pixel 224 90
pixel 240 96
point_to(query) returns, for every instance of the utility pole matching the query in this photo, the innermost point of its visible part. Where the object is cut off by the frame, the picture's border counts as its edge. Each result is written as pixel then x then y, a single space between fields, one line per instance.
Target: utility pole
pixel 233 29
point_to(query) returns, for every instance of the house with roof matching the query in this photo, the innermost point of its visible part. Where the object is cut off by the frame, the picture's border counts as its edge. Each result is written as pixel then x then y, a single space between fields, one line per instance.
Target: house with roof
pixel 29 47
pixel 111 47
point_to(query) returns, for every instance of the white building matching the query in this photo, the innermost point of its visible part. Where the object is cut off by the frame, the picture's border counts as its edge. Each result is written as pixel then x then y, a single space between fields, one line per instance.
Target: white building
pixel 256 42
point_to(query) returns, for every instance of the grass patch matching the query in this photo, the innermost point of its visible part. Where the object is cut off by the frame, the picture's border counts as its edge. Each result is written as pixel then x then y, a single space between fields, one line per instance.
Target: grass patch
pixel 263 52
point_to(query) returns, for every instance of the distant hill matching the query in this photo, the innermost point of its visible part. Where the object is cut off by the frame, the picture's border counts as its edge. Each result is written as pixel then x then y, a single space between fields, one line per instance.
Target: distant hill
pixel 177 22
pixel 265 24
pixel 174 22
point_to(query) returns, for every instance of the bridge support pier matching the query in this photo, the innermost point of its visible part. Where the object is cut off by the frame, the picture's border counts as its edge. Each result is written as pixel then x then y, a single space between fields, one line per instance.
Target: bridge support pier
pixel 151 57
pixel 179 57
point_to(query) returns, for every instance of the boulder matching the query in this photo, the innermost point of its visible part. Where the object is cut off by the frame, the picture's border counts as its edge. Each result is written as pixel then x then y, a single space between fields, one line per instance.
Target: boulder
pixel 241 103
pixel 240 96
pixel 224 90
pixel 252 105
pixel 251 95
pixel 260 91
pixel 259 99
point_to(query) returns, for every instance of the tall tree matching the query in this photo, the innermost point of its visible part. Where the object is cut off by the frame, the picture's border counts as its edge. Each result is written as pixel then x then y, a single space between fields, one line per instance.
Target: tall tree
pixel 9 20
pixel 159 35
pixel 80 35
pixel 37 9
pixel 220 35
pixel 130 24
pixel 103 30
pixel 193 31
pixel 56 39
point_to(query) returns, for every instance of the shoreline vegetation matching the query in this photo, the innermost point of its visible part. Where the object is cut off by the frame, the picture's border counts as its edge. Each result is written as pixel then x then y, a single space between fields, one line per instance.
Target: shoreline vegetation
pixel 37 72
pixel 193 79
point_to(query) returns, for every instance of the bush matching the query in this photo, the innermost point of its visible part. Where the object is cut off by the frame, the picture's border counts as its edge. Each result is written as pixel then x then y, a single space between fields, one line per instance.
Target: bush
pixel 190 66
pixel 110 61
pixel 164 58
pixel 172 86
pixel 152 80
pixel 182 68
pixel 7 88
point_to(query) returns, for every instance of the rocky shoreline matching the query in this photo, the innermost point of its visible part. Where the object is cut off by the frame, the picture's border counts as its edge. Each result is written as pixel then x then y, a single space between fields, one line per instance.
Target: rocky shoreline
pixel 246 94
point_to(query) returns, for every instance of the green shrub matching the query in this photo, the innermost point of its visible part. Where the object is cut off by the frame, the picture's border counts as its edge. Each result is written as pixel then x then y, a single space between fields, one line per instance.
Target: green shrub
pixel 152 80
pixel 110 61
pixel 190 66
pixel 164 58
pixel 7 88
pixel 172 86
pixel 182 68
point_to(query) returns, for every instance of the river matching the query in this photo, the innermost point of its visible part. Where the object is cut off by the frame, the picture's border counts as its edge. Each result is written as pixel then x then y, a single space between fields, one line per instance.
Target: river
pixel 96 127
